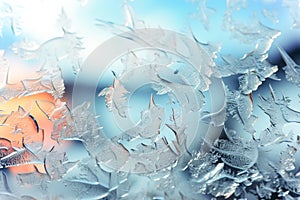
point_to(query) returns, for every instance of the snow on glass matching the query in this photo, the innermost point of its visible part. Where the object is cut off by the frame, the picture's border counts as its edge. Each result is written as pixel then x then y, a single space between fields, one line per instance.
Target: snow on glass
pixel 51 150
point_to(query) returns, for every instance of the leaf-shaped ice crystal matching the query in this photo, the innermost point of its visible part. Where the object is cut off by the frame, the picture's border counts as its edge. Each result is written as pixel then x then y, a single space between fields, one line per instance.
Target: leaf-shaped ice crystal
pixel 292 69
pixel 64 21
pixel 115 97
pixel 236 154
pixel 271 106
pixel 240 107
pixel 146 131
pixel 280 114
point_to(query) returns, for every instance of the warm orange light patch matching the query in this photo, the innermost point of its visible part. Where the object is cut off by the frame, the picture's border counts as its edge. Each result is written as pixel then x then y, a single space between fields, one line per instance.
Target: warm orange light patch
pixel 26 102
pixel 26 120
pixel 26 168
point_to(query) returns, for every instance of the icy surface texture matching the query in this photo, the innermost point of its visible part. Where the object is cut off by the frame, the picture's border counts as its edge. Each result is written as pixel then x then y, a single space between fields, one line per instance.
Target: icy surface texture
pixel 293 6
pixel 292 69
pixel 183 104
pixel 52 51
pixel 253 67
pixel 48 81
pixel 9 17
pixel 240 166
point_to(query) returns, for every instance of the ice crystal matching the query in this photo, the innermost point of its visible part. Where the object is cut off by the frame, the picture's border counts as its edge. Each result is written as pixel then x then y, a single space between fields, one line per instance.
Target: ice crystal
pixel 254 69
pixel 231 154
pixel 251 32
pixel 240 107
pixel 184 143
pixel 51 52
pixel 63 21
pixel 4 184
pixel 292 70
pixel 270 15
pixel 212 171
pixel 49 81
pixel 150 119
pixel 204 13
pixel 215 178
pixel 21 139
pixel 4 67
pixel 115 97
pixel 9 17
pixel 18 157
pixel 288 158
pixel 280 114
pixel 293 7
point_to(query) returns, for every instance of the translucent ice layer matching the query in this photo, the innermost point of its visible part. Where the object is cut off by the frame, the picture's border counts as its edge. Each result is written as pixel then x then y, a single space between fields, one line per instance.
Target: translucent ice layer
pixel 174 100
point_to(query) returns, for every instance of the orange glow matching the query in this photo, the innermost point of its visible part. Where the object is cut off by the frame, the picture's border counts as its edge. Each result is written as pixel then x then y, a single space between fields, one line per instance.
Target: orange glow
pixel 20 127
pixel 26 102
pixel 26 168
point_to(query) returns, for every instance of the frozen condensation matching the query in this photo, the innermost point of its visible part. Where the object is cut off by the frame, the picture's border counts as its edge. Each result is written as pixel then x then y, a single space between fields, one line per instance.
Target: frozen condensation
pixel 51 52
pixel 49 81
pixel 254 69
pixel 292 69
pixel 169 117
pixel 203 13
pixel 270 15
pixel 293 7
pixel 9 17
